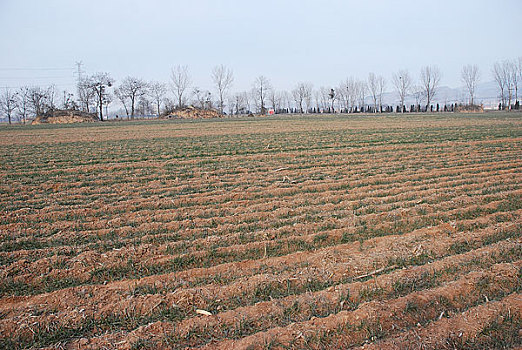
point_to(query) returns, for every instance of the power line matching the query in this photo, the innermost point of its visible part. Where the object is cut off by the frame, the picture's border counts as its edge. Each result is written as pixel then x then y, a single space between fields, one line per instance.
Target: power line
pixel 35 69
pixel 32 85
pixel 33 77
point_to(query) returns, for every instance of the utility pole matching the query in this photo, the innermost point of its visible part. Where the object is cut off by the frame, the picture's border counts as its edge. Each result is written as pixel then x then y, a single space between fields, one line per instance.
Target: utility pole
pixel 79 88
pixel 79 71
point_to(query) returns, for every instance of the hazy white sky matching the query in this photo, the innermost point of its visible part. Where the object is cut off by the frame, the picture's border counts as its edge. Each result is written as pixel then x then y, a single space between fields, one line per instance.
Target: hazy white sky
pixel 322 42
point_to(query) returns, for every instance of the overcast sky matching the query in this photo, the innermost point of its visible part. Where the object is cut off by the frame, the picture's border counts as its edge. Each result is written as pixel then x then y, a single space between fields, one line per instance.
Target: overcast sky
pixel 322 42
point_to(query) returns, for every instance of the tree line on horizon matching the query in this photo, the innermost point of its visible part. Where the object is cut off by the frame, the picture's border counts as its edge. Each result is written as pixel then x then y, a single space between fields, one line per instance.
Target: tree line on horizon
pixel 138 97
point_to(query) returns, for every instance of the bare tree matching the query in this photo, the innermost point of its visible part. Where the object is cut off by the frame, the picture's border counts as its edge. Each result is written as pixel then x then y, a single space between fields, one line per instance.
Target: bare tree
pixel 199 96
pixel 301 94
pixel 23 102
pixel 144 105
pixel 68 101
pixel 275 99
pixel 342 98
pixel 51 95
pixel 352 93
pixel 519 79
pixel 376 86
pixel 157 92
pixel 430 79
pixel 248 97
pixel 123 99
pixel 341 95
pixel 507 77
pixel 81 90
pixel 230 104
pixel 180 83
pixel 510 68
pixel 208 100
pixel 286 100
pixel 223 79
pixel 86 95
pixel 361 88
pixel 8 103
pixel 374 89
pixel 318 99
pixel 470 76
pixel 418 93
pixel 107 100
pixel 98 83
pixel 169 105
pixel 515 77
pixel 499 74
pixel 38 98
pixel 260 91
pixel 308 98
pixel 402 82
pixel 132 89
pixel 327 98
pixel 332 96
pixel 381 85
pixel 237 103
pixel 348 93
pixel 240 101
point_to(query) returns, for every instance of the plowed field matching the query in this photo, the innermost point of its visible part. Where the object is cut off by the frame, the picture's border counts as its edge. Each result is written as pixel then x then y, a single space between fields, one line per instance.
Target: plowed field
pixel 320 232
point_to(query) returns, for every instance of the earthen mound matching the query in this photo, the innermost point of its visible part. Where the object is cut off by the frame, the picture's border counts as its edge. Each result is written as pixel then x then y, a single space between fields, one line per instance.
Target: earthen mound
pixel 469 109
pixel 59 116
pixel 192 112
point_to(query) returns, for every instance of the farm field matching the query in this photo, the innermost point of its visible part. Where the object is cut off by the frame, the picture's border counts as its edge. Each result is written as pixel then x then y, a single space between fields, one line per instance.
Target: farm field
pixel 306 232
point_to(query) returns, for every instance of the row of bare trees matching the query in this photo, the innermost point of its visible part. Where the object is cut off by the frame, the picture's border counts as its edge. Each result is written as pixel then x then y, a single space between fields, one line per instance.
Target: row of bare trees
pixel 424 91
pixel 134 94
pixel 140 97
pixel 26 102
pixel 348 96
pixel 508 75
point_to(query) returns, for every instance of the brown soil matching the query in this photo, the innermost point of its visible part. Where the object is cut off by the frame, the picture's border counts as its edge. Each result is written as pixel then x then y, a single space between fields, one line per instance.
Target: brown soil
pixel 299 233
pixel 454 332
